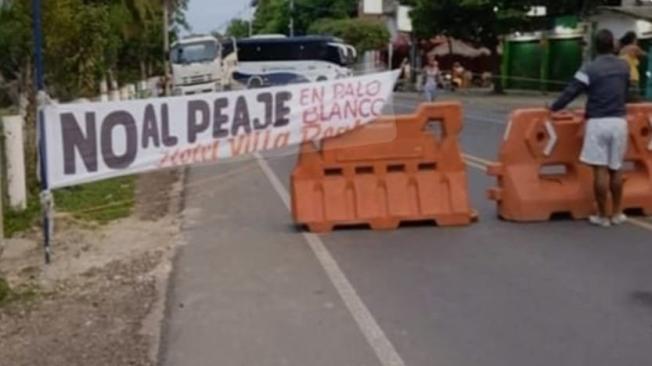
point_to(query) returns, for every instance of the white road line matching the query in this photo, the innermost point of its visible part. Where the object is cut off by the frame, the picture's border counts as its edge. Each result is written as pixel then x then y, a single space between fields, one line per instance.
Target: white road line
pixel 478 160
pixel 475 165
pixel 381 345
pixel 640 223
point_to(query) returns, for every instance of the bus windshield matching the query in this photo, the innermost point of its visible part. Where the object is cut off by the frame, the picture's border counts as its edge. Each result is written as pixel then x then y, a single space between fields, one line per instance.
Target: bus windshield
pixel 337 54
pixel 287 50
pixel 186 53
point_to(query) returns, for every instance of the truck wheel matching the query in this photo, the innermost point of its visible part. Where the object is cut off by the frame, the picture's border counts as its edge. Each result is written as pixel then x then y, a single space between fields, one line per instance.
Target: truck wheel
pixel 254 82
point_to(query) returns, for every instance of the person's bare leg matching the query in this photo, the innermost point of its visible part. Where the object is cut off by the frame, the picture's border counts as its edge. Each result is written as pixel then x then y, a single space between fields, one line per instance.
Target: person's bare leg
pixel 616 186
pixel 601 186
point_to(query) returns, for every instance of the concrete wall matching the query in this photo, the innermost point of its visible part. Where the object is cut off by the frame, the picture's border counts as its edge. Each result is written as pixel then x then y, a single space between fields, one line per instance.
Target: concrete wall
pixel 621 24
pixel 617 24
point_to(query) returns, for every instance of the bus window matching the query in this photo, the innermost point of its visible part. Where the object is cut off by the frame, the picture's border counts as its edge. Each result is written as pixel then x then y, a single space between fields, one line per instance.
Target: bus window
pixel 311 58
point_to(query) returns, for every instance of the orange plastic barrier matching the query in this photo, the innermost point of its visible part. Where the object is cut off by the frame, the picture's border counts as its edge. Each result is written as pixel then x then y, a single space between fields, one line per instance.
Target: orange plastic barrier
pixel 393 170
pixel 539 173
pixel 638 176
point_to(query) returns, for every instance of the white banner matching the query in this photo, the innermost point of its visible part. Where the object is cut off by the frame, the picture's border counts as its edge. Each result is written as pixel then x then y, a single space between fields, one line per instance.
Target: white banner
pixel 93 141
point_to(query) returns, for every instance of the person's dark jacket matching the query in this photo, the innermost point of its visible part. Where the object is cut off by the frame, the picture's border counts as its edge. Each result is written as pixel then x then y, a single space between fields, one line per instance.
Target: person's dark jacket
pixel 605 80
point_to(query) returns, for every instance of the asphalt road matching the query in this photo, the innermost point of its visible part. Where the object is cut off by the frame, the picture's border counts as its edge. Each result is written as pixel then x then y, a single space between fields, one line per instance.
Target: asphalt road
pixel 249 289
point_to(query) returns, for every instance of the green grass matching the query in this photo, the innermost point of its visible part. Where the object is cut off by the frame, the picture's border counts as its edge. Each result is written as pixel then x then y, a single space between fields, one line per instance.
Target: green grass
pixel 5 290
pixel 25 293
pixel 20 221
pixel 101 202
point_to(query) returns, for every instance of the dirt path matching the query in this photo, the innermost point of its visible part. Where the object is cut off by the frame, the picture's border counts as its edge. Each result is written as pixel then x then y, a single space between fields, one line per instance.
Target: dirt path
pixel 101 301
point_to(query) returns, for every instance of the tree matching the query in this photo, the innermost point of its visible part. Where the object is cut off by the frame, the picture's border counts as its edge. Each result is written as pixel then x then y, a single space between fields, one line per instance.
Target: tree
pixel 15 49
pixel 237 28
pixel 364 35
pixel 273 16
pixel 306 12
pixel 78 36
pixel 83 41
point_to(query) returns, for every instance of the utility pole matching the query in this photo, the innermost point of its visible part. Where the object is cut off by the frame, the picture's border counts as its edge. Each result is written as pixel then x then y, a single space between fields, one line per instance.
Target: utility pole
pixel 251 19
pixel 166 44
pixel 46 195
pixel 291 18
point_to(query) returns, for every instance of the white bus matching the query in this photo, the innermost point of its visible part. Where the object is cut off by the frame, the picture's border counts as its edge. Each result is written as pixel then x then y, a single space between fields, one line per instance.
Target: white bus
pixel 198 66
pixel 278 60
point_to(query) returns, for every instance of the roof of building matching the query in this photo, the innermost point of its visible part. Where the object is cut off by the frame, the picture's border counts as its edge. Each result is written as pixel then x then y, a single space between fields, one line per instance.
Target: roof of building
pixel 639 12
pixel 458 47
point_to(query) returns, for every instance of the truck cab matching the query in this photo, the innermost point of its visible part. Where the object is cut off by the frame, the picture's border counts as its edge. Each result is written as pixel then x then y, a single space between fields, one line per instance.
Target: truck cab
pixel 197 66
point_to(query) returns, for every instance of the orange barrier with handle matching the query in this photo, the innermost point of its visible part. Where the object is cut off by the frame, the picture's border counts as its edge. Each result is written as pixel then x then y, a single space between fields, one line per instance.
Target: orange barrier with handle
pixel 539 173
pixel 390 171
pixel 637 190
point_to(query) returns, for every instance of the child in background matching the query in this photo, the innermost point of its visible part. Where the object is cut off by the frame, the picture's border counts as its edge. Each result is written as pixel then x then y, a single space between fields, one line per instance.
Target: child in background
pixel 430 79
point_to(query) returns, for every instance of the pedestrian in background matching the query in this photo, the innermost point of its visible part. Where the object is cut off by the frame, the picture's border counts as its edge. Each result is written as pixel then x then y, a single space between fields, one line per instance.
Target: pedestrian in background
pixel 458 75
pixel 406 70
pixel 406 74
pixel 631 53
pixel 605 80
pixel 430 79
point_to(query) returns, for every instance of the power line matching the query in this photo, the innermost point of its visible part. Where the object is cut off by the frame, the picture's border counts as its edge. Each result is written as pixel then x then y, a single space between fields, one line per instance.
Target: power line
pixel 238 15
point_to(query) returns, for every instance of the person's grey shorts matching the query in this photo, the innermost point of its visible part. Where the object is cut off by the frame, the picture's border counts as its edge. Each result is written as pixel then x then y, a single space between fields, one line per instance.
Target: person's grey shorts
pixel 605 142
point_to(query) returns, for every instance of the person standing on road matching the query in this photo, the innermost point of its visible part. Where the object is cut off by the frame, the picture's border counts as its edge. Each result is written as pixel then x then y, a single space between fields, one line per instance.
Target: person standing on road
pixel 631 53
pixel 605 80
pixel 430 79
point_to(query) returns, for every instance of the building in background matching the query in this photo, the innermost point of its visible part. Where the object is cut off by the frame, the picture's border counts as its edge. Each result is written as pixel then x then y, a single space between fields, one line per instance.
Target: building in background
pixel 547 60
pixel 622 19
pixel 631 15
pixel 544 60
pixel 397 21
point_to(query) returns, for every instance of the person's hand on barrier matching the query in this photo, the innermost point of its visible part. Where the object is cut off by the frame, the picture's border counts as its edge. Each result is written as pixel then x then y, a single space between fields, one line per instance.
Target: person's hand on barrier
pixel 562 114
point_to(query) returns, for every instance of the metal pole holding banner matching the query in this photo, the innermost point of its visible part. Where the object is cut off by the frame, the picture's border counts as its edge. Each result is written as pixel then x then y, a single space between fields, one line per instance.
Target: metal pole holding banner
pixel 46 195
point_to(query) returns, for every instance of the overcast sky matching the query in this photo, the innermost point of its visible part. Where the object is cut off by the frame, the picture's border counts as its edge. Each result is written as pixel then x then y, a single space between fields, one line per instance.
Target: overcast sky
pixel 207 15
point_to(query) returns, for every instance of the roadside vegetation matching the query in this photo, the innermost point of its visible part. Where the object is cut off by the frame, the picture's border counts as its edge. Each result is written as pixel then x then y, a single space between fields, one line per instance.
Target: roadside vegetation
pixel 85 43
pixel 99 202
pixel 336 18
pixel 24 294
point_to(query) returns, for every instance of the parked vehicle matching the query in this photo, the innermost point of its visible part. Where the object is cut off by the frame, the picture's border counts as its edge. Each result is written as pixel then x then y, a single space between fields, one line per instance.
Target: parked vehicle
pixel 198 66
pixel 279 60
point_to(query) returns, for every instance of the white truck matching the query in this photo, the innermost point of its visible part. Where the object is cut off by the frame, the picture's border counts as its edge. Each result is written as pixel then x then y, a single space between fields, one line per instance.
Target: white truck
pixel 198 66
